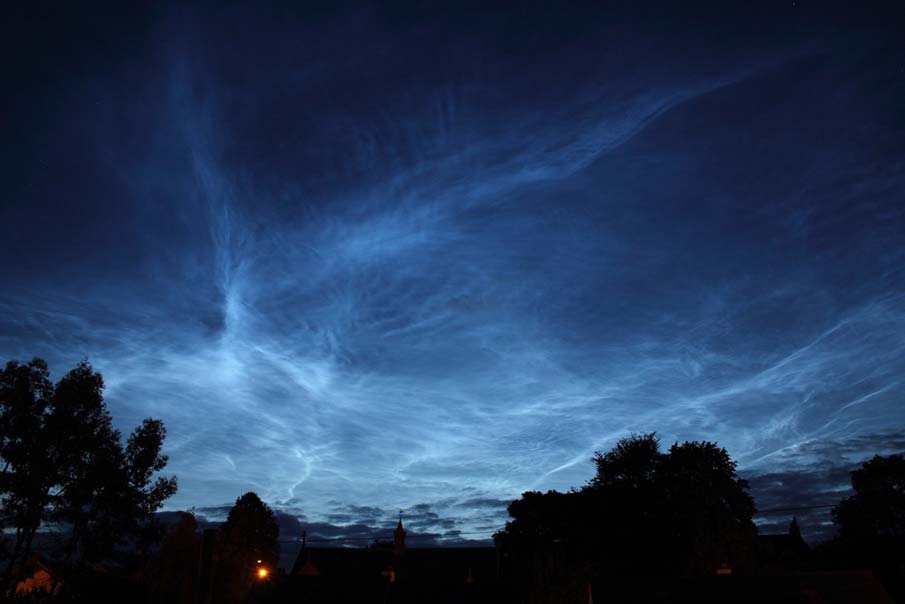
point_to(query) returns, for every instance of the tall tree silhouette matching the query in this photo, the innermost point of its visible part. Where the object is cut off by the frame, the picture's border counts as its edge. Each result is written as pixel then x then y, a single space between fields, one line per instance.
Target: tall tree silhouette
pixel 109 495
pixel 29 468
pixel 250 533
pixel 64 462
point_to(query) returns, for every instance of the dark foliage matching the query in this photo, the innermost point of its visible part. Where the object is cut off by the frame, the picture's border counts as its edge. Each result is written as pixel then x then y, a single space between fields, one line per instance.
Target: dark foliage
pixel 171 576
pixel 29 463
pixel 877 509
pixel 250 534
pixel 684 512
pixel 64 463
pixel 871 522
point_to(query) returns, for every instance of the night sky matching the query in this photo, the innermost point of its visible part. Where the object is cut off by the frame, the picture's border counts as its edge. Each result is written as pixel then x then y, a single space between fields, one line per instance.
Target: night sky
pixel 365 260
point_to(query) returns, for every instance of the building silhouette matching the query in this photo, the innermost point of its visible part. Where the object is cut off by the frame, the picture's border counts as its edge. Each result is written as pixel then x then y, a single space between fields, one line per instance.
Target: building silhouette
pixel 395 572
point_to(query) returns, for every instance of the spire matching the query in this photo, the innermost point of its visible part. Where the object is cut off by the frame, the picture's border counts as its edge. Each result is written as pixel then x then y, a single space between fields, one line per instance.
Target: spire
pixel 399 537
pixel 794 530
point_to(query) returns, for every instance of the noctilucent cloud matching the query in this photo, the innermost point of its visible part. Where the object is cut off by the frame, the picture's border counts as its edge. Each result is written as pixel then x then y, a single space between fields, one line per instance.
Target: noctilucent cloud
pixel 361 261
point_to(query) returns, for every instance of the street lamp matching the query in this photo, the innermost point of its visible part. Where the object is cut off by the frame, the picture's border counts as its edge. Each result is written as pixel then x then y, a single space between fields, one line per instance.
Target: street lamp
pixel 262 571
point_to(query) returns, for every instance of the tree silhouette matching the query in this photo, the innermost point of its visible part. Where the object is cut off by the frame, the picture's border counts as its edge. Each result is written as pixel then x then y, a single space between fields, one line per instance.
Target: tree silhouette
pixel 170 577
pixel 704 509
pixel 871 522
pixel 877 508
pixel 645 512
pixel 631 465
pixel 64 462
pixel 250 534
pixel 685 511
pixel 108 494
pixel 29 471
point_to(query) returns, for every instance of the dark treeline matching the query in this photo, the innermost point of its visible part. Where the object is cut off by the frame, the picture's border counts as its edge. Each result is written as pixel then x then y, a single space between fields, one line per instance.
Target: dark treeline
pixel 645 512
pixel 77 505
pixel 683 514
pixel 677 514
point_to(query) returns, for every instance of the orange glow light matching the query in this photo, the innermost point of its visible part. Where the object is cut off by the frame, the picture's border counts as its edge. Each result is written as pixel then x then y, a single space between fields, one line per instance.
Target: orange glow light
pixel 262 573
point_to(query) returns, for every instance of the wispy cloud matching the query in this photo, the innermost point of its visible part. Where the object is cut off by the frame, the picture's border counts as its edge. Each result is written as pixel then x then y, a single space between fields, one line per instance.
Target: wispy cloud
pixel 451 289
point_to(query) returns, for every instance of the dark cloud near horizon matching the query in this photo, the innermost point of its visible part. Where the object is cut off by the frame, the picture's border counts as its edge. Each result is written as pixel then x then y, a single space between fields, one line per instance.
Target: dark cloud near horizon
pixel 407 258
pixel 809 481
pixel 806 484
pixel 424 528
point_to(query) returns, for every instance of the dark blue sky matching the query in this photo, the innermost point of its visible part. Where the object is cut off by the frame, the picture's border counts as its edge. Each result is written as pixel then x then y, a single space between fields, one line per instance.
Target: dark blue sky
pixel 366 260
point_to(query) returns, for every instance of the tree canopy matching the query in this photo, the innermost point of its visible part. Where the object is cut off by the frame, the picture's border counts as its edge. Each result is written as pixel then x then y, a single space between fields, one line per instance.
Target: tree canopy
pixel 171 576
pixel 64 463
pixel 250 534
pixel 876 510
pixel 644 512
pixel 871 523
